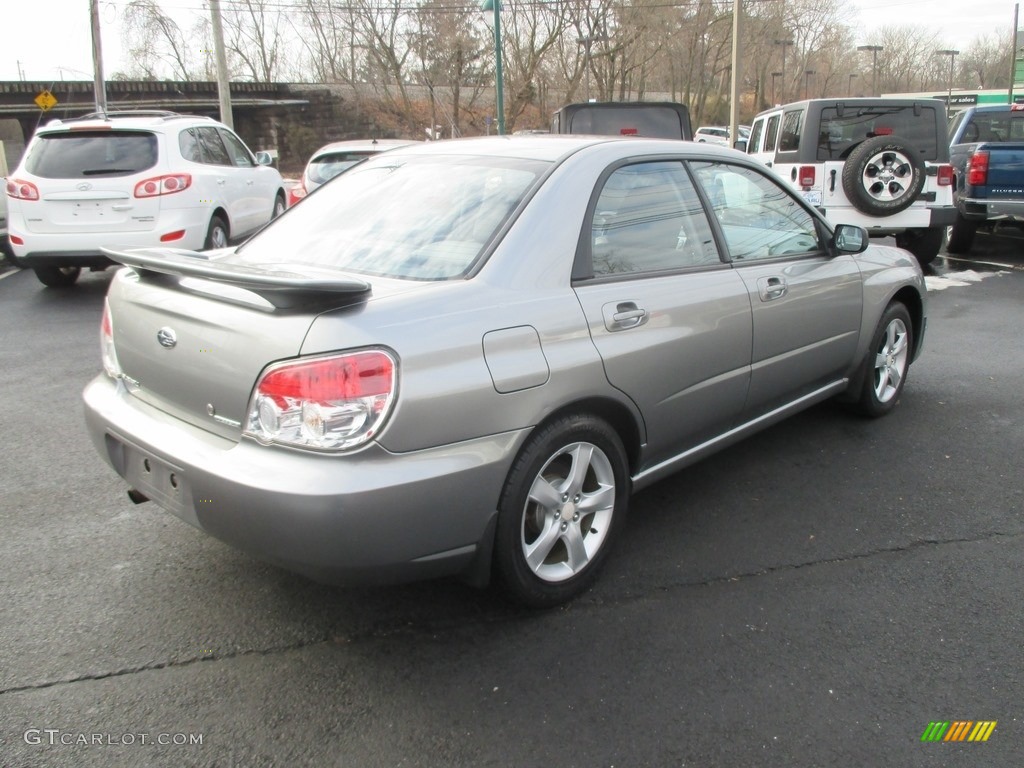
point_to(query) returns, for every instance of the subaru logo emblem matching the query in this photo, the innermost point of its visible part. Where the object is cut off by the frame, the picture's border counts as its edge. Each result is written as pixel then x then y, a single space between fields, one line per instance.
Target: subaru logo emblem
pixel 166 337
pixel 85 186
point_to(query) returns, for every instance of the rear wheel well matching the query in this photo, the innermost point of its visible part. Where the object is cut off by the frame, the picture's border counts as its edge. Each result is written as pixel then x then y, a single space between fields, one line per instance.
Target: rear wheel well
pixel 618 416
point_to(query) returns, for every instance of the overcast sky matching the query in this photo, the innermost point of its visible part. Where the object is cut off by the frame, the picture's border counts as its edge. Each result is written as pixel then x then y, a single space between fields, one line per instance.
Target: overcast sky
pixel 49 40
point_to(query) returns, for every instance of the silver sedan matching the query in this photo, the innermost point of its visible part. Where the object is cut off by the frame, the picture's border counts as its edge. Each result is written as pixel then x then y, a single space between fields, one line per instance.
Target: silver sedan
pixel 463 357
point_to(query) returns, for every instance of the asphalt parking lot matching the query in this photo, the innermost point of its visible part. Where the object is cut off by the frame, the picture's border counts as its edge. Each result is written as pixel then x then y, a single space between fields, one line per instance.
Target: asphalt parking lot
pixel 815 596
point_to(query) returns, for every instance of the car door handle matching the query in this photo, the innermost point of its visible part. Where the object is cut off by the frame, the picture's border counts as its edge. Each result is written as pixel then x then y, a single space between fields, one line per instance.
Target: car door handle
pixel 250 182
pixel 771 288
pixel 222 182
pixel 623 315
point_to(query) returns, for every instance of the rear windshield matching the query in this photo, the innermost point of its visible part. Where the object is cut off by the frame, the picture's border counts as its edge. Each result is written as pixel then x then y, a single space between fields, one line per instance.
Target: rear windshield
pixel 839 135
pixel 92 154
pixel 326 166
pixel 419 218
pixel 650 121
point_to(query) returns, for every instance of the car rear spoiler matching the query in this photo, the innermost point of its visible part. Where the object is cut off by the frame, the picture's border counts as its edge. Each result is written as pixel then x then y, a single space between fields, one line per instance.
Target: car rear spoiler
pixel 282 288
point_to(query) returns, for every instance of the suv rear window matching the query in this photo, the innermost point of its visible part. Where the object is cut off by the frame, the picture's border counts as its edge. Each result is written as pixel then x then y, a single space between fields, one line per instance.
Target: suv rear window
pixel 91 154
pixel 325 167
pixel 839 134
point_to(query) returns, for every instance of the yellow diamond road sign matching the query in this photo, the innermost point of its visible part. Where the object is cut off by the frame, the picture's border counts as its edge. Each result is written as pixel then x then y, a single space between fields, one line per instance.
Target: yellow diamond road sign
pixel 45 100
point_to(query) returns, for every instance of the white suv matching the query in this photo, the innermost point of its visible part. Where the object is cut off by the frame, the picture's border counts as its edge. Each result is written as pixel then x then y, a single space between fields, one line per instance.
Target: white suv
pixel 879 163
pixel 134 180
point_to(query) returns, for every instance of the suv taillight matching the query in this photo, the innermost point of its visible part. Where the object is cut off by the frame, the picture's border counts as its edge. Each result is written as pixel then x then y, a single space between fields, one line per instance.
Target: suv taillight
pixel 107 352
pixel 945 175
pixel 163 185
pixel 806 176
pixel 22 190
pixel 325 403
pixel 977 169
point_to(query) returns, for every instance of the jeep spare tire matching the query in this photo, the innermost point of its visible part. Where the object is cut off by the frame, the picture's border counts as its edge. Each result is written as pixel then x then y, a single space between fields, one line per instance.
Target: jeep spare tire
pixel 882 176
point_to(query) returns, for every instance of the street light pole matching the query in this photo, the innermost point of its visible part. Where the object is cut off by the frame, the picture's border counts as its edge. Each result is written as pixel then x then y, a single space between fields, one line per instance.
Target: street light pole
pixel 495 5
pixel 874 64
pixel 807 83
pixel 774 75
pixel 587 42
pixel 952 57
pixel 784 44
pixel 849 85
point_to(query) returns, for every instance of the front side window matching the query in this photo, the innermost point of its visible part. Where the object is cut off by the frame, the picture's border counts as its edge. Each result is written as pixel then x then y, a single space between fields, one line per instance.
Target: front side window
pixel 753 142
pixel 759 218
pixel 92 154
pixel 649 218
pixel 417 218
pixel 240 155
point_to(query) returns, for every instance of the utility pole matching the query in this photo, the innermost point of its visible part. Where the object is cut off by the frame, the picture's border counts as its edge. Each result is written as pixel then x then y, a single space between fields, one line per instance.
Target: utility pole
pixel 1014 52
pixel 223 85
pixel 734 98
pixel 99 84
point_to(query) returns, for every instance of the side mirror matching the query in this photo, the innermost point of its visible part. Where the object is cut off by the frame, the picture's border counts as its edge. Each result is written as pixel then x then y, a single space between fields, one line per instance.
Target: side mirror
pixel 849 238
pixel 740 144
pixel 264 158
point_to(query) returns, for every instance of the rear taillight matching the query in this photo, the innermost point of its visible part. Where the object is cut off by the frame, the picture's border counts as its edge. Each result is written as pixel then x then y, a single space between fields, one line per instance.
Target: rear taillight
pixel 977 169
pixel 22 190
pixel 107 353
pixel 326 403
pixel 806 176
pixel 945 175
pixel 163 185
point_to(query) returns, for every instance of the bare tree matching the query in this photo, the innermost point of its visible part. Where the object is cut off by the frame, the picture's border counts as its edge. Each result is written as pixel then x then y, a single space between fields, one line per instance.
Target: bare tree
pixel 155 43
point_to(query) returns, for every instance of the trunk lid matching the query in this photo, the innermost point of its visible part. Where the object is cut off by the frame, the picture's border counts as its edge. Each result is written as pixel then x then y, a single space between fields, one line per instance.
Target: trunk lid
pixel 193 346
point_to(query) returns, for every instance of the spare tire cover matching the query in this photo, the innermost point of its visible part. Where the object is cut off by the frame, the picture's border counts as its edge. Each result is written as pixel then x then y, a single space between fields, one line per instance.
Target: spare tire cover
pixel 883 175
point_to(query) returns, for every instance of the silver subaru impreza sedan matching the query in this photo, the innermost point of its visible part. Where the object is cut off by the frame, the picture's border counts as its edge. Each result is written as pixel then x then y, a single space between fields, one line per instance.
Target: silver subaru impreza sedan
pixel 464 357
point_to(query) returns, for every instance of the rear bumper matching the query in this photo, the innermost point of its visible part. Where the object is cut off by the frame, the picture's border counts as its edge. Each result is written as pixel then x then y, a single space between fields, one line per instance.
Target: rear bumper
pixel 80 249
pixel 981 210
pixel 371 516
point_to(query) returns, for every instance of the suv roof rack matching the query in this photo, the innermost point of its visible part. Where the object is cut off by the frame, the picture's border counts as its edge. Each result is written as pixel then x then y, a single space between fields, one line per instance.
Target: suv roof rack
pixel 163 113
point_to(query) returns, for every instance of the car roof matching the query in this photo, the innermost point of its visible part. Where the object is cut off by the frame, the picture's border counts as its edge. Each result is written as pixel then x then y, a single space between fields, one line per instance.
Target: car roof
pixel 126 120
pixel 853 102
pixel 363 145
pixel 545 147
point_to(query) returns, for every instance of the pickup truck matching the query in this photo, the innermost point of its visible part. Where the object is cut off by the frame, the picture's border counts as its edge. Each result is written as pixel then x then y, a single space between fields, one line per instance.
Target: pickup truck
pixel 986 150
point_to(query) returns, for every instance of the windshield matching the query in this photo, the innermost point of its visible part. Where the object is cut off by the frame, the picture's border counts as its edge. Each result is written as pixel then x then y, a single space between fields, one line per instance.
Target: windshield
pixel 420 218
pixel 88 154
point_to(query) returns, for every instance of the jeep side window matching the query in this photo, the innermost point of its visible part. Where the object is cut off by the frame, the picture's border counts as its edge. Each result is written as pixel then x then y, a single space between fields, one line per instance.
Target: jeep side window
pixel 754 142
pixel 771 134
pixel 792 122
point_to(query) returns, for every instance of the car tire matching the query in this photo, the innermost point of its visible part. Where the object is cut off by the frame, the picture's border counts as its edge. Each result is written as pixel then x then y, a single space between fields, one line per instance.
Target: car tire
pixel 883 176
pixel 960 235
pixel 563 502
pixel 217 235
pixel 279 206
pixel 57 277
pixel 925 244
pixel 887 362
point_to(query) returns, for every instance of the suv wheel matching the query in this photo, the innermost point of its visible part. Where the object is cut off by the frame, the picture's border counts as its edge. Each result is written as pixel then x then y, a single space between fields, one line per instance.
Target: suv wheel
pixel 57 277
pixel 217 234
pixel 925 244
pixel 883 175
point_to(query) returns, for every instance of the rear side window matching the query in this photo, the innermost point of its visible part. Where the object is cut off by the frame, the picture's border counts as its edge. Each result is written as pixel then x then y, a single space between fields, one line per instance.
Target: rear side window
pixel 771 134
pixel 791 125
pixel 839 134
pixel 92 154
pixel 648 219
